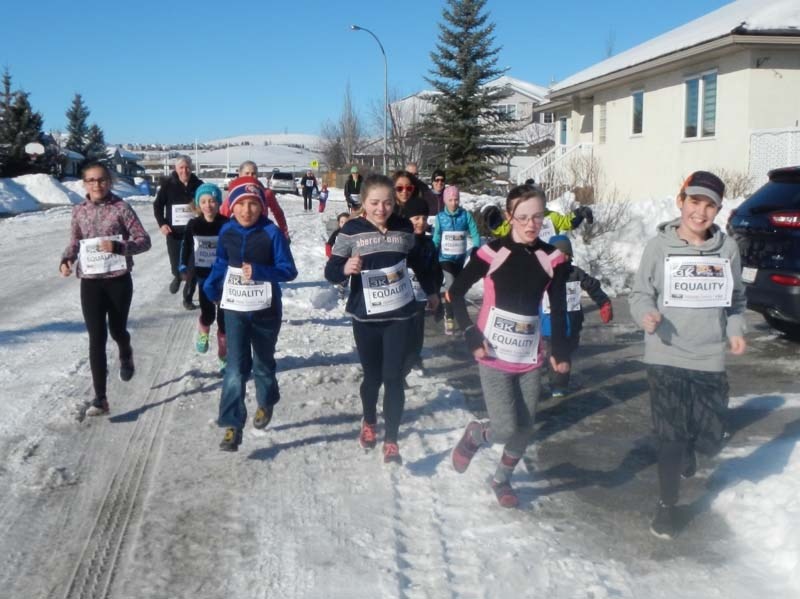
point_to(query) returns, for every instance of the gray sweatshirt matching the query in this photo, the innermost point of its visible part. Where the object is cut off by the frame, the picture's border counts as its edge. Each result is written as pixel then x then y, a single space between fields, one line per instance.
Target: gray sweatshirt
pixel 691 338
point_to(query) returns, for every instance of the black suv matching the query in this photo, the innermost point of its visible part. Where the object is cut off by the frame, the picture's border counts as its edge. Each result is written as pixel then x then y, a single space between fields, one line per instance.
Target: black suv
pixel 767 228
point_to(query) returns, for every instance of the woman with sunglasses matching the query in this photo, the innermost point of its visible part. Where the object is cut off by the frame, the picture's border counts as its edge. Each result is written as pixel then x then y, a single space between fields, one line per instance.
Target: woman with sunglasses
pixel 104 234
pixel 373 252
pixel 404 189
pixel 516 270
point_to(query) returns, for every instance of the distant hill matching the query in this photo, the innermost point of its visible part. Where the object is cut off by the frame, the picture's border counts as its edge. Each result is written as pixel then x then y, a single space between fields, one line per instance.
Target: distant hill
pixel 294 139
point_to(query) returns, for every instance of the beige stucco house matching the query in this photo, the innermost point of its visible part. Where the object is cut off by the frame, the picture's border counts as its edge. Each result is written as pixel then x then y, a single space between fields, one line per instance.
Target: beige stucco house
pixel 719 93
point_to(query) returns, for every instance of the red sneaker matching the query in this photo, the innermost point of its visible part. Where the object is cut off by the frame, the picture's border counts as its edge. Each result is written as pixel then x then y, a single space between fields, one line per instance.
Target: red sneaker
pixel 506 496
pixel 391 454
pixel 368 438
pixel 465 449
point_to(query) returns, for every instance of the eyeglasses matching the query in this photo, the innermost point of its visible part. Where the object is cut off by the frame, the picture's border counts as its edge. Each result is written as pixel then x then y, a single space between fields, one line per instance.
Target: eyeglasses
pixel 438 180
pixel 402 188
pixel 525 219
pixel 101 181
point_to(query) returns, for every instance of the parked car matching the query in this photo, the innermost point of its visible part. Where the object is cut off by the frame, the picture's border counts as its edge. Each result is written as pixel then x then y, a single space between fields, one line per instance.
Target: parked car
pixel 228 178
pixel 282 182
pixel 767 228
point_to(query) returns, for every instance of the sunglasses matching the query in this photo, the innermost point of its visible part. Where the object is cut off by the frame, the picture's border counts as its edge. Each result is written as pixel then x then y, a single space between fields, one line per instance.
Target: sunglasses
pixel 101 181
pixel 439 180
pixel 402 188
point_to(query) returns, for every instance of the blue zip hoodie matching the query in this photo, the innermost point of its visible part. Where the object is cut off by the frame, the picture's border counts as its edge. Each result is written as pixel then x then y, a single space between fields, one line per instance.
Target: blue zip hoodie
pixel 460 220
pixel 264 247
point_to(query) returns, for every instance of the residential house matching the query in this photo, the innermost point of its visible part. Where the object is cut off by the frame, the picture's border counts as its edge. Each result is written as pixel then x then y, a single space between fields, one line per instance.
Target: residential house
pixel 533 134
pixel 124 162
pixel 720 93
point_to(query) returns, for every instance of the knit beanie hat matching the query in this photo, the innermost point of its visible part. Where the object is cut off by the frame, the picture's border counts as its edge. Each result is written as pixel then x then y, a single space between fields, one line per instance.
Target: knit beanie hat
pixel 353 169
pixel 438 173
pixel 416 207
pixel 208 189
pixel 562 243
pixel 245 187
pixel 451 191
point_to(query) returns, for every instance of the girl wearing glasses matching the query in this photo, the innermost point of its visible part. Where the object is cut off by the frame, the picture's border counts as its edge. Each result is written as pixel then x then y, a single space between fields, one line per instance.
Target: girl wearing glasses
pixel 104 234
pixel 373 251
pixel 516 270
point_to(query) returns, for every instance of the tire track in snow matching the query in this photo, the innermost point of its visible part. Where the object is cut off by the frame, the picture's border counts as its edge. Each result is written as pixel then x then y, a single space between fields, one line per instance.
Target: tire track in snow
pixel 96 568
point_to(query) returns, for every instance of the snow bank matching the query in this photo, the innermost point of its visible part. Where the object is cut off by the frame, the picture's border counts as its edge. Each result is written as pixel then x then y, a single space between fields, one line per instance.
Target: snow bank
pixel 48 190
pixel 14 198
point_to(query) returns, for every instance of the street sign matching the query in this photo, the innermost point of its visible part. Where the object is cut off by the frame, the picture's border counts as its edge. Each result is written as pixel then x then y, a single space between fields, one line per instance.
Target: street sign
pixel 315 164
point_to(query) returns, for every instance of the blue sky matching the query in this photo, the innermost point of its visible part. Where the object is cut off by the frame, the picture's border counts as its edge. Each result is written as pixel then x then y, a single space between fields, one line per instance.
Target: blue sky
pixel 176 71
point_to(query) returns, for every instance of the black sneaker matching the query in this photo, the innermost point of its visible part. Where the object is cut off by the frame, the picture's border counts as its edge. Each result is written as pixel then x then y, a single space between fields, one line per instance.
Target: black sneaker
pixel 189 305
pixel 99 407
pixel 126 368
pixel 262 417
pixel 231 440
pixel 664 524
pixel 174 285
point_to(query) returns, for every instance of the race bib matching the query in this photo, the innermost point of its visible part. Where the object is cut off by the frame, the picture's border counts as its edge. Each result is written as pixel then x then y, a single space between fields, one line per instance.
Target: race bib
pixel 548 229
pixel 573 298
pixel 355 198
pixel 244 296
pixel 386 289
pixel 419 292
pixel 181 214
pixel 205 251
pixel 95 262
pixel 512 337
pixel 697 282
pixel 310 183
pixel 454 243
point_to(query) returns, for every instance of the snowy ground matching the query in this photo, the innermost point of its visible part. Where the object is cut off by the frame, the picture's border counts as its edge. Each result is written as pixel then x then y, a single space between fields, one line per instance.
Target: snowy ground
pixel 142 504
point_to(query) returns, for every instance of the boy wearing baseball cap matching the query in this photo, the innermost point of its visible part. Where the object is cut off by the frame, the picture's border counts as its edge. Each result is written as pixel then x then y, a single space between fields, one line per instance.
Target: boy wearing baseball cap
pixel 689 298
pixel 253 257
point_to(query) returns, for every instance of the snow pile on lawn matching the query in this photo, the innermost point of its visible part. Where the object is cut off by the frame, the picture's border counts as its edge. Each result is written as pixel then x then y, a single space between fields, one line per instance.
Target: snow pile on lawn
pixel 15 198
pixel 48 190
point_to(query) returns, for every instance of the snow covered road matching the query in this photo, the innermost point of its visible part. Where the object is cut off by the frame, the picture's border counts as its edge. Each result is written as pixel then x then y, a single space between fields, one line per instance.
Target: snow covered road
pixel 142 504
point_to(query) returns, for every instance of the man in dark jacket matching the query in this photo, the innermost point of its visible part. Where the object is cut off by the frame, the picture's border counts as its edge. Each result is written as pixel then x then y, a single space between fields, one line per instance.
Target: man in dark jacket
pixel 173 209
pixel 309 184
pixel 352 189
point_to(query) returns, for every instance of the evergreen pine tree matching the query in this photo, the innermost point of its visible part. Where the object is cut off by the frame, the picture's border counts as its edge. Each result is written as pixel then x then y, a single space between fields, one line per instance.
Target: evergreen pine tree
pixel 19 125
pixel 76 125
pixel 95 147
pixel 465 126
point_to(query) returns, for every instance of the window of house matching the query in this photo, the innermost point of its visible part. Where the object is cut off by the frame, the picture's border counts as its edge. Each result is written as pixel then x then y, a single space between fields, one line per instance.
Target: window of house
pixel 638 112
pixel 509 109
pixel 562 131
pixel 549 117
pixel 700 114
pixel 601 123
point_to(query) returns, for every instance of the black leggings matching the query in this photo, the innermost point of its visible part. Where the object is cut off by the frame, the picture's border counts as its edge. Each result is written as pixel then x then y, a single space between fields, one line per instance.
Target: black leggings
pixel 307 194
pixel 382 348
pixel 174 251
pixel 103 299
pixel 209 311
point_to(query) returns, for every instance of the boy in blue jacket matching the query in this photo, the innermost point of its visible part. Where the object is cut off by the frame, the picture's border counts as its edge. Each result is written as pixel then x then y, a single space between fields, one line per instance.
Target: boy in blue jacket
pixel 453 225
pixel 253 257
pixel 577 280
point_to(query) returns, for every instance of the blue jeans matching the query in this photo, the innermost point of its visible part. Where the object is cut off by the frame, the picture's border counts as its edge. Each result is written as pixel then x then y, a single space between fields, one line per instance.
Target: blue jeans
pixel 246 330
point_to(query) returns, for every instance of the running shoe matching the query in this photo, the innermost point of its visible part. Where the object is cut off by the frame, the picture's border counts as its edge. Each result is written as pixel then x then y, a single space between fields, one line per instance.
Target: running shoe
pixel 262 417
pixel 99 407
pixel 391 453
pixel 505 494
pixel 174 285
pixel 664 524
pixel 231 440
pixel 126 368
pixel 367 439
pixel 201 345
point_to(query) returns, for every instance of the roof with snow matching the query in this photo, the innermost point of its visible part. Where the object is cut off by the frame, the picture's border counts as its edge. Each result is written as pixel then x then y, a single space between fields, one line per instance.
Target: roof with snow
pixel 535 92
pixel 123 153
pixel 744 17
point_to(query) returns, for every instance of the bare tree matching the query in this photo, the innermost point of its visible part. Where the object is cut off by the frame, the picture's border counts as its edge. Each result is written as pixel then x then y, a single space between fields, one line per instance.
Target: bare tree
pixel 342 139
pixel 405 139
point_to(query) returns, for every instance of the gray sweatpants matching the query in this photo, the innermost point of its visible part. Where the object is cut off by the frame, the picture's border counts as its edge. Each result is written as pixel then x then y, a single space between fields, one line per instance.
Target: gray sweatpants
pixel 511 402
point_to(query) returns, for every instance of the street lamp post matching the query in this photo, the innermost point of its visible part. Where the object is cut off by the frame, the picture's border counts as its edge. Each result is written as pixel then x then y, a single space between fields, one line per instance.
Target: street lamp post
pixel 385 89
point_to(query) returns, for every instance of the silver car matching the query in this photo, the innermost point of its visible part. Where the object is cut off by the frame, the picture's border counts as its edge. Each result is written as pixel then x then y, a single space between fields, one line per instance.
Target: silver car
pixel 281 182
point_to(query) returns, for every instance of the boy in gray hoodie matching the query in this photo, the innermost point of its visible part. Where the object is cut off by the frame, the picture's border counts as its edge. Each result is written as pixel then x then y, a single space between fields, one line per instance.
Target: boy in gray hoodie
pixel 688 297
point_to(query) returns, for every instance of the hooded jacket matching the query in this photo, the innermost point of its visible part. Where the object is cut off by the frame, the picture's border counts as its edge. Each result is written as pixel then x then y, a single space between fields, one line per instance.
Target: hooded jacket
pixel 460 220
pixel 691 338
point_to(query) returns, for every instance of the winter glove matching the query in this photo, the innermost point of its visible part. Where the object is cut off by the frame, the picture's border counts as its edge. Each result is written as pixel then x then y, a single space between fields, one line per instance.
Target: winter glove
pixel 580 213
pixel 606 312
